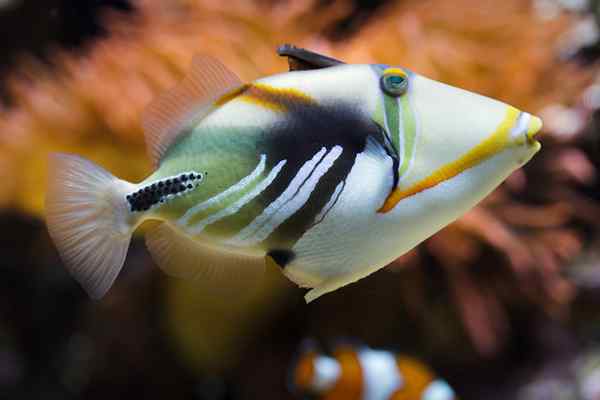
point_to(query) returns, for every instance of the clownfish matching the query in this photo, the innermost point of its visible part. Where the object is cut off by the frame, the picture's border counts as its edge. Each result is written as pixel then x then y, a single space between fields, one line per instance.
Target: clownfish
pixel 366 374
pixel 330 171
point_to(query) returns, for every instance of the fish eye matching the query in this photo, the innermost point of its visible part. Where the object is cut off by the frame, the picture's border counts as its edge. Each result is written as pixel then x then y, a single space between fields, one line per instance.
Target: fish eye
pixel 394 84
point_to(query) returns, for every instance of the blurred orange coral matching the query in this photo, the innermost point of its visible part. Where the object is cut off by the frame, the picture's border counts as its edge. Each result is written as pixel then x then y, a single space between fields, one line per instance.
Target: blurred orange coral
pixel 90 104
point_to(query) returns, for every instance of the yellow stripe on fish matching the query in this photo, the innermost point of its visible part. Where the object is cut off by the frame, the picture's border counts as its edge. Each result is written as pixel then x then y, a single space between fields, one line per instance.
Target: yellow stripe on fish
pixel 231 94
pixel 275 98
pixel 395 71
pixel 494 143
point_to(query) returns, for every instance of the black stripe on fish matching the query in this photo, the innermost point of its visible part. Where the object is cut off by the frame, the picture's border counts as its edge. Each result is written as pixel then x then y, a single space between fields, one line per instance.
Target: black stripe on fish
pixel 302 134
pixel 392 152
pixel 325 212
pixel 297 136
pixel 282 257
pixel 304 219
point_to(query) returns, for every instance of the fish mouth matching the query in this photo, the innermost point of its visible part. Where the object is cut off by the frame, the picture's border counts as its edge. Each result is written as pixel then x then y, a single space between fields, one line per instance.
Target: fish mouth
pixel 517 129
pixel 525 129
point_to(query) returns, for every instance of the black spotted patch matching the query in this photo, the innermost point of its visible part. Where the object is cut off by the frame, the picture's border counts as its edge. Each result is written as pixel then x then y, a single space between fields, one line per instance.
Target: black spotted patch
pixel 282 257
pixel 164 190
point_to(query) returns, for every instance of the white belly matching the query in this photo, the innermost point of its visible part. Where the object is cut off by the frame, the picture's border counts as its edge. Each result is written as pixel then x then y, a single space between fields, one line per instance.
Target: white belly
pixel 342 242
pixel 354 240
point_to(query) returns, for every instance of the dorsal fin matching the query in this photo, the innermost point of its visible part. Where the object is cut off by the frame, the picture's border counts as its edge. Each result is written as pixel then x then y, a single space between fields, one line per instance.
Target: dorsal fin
pixel 192 99
pixel 300 59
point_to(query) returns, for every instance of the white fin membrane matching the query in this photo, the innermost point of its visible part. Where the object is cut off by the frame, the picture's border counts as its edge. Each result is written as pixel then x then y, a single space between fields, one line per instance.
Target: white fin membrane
pixel 87 217
pixel 326 287
pixel 175 111
pixel 215 270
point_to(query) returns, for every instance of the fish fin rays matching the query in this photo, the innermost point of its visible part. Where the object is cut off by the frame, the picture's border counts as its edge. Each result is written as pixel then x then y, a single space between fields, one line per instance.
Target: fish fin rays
pixel 324 288
pixel 89 221
pixel 170 115
pixel 334 283
pixel 215 270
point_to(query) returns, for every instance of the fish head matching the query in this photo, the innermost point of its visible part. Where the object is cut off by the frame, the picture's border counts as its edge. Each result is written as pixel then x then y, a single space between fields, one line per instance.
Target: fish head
pixel 441 132
pixel 451 145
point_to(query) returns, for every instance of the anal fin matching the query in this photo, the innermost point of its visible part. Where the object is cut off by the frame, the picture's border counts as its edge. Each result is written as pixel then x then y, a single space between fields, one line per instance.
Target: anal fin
pixel 215 270
pixel 324 288
pixel 335 282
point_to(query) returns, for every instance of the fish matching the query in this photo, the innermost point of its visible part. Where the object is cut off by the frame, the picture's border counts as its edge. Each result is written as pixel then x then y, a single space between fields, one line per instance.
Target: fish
pixel 329 171
pixel 353 372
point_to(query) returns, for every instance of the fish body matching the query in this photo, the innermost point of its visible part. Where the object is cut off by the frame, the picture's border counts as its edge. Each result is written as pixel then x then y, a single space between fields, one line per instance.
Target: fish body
pixel 362 373
pixel 330 173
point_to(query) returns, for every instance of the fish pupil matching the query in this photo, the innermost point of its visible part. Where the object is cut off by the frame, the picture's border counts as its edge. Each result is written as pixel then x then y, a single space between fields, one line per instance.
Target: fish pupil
pixel 396 80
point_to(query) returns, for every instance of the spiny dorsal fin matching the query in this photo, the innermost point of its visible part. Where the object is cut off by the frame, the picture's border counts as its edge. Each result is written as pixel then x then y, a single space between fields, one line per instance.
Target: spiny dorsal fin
pixel 192 99
pixel 300 59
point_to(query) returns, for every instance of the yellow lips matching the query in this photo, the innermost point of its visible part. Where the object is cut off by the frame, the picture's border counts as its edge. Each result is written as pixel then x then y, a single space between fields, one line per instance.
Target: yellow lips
pixel 535 124
pixel 487 148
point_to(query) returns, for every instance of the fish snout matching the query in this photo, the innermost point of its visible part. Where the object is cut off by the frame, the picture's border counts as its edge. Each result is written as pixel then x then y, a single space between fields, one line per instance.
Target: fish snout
pixel 525 128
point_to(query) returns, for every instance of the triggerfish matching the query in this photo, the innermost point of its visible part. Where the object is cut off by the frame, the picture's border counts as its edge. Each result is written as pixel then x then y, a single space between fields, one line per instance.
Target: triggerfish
pixel 362 373
pixel 331 171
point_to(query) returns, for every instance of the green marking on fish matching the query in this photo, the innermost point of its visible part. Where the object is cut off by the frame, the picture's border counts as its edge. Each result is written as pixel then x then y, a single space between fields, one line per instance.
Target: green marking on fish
pixel 409 134
pixel 205 149
pixel 392 119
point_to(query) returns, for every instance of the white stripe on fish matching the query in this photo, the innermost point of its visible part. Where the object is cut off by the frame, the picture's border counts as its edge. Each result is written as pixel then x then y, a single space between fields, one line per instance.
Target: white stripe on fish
pixel 292 198
pixel 235 207
pixel 521 126
pixel 240 185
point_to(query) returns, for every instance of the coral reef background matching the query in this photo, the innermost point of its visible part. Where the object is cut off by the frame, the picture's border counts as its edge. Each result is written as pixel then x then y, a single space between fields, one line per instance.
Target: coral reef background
pixel 504 303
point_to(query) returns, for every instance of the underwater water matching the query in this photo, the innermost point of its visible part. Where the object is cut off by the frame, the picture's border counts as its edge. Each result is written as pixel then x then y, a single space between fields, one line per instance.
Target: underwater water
pixel 502 304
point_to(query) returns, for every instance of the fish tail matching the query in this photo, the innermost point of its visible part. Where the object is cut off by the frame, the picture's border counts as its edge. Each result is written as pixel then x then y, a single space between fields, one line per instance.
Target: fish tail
pixel 89 220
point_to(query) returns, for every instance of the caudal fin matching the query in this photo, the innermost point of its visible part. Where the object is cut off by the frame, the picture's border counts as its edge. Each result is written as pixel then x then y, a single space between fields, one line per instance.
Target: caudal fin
pixel 89 220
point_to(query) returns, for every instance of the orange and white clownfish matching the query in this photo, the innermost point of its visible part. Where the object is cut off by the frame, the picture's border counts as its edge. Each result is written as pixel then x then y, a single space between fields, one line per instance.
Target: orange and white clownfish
pixel 363 373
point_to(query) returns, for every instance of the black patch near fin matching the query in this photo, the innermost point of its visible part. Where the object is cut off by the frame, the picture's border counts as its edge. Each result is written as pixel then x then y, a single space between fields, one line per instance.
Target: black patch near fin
pixel 163 190
pixel 282 257
pixel 300 59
